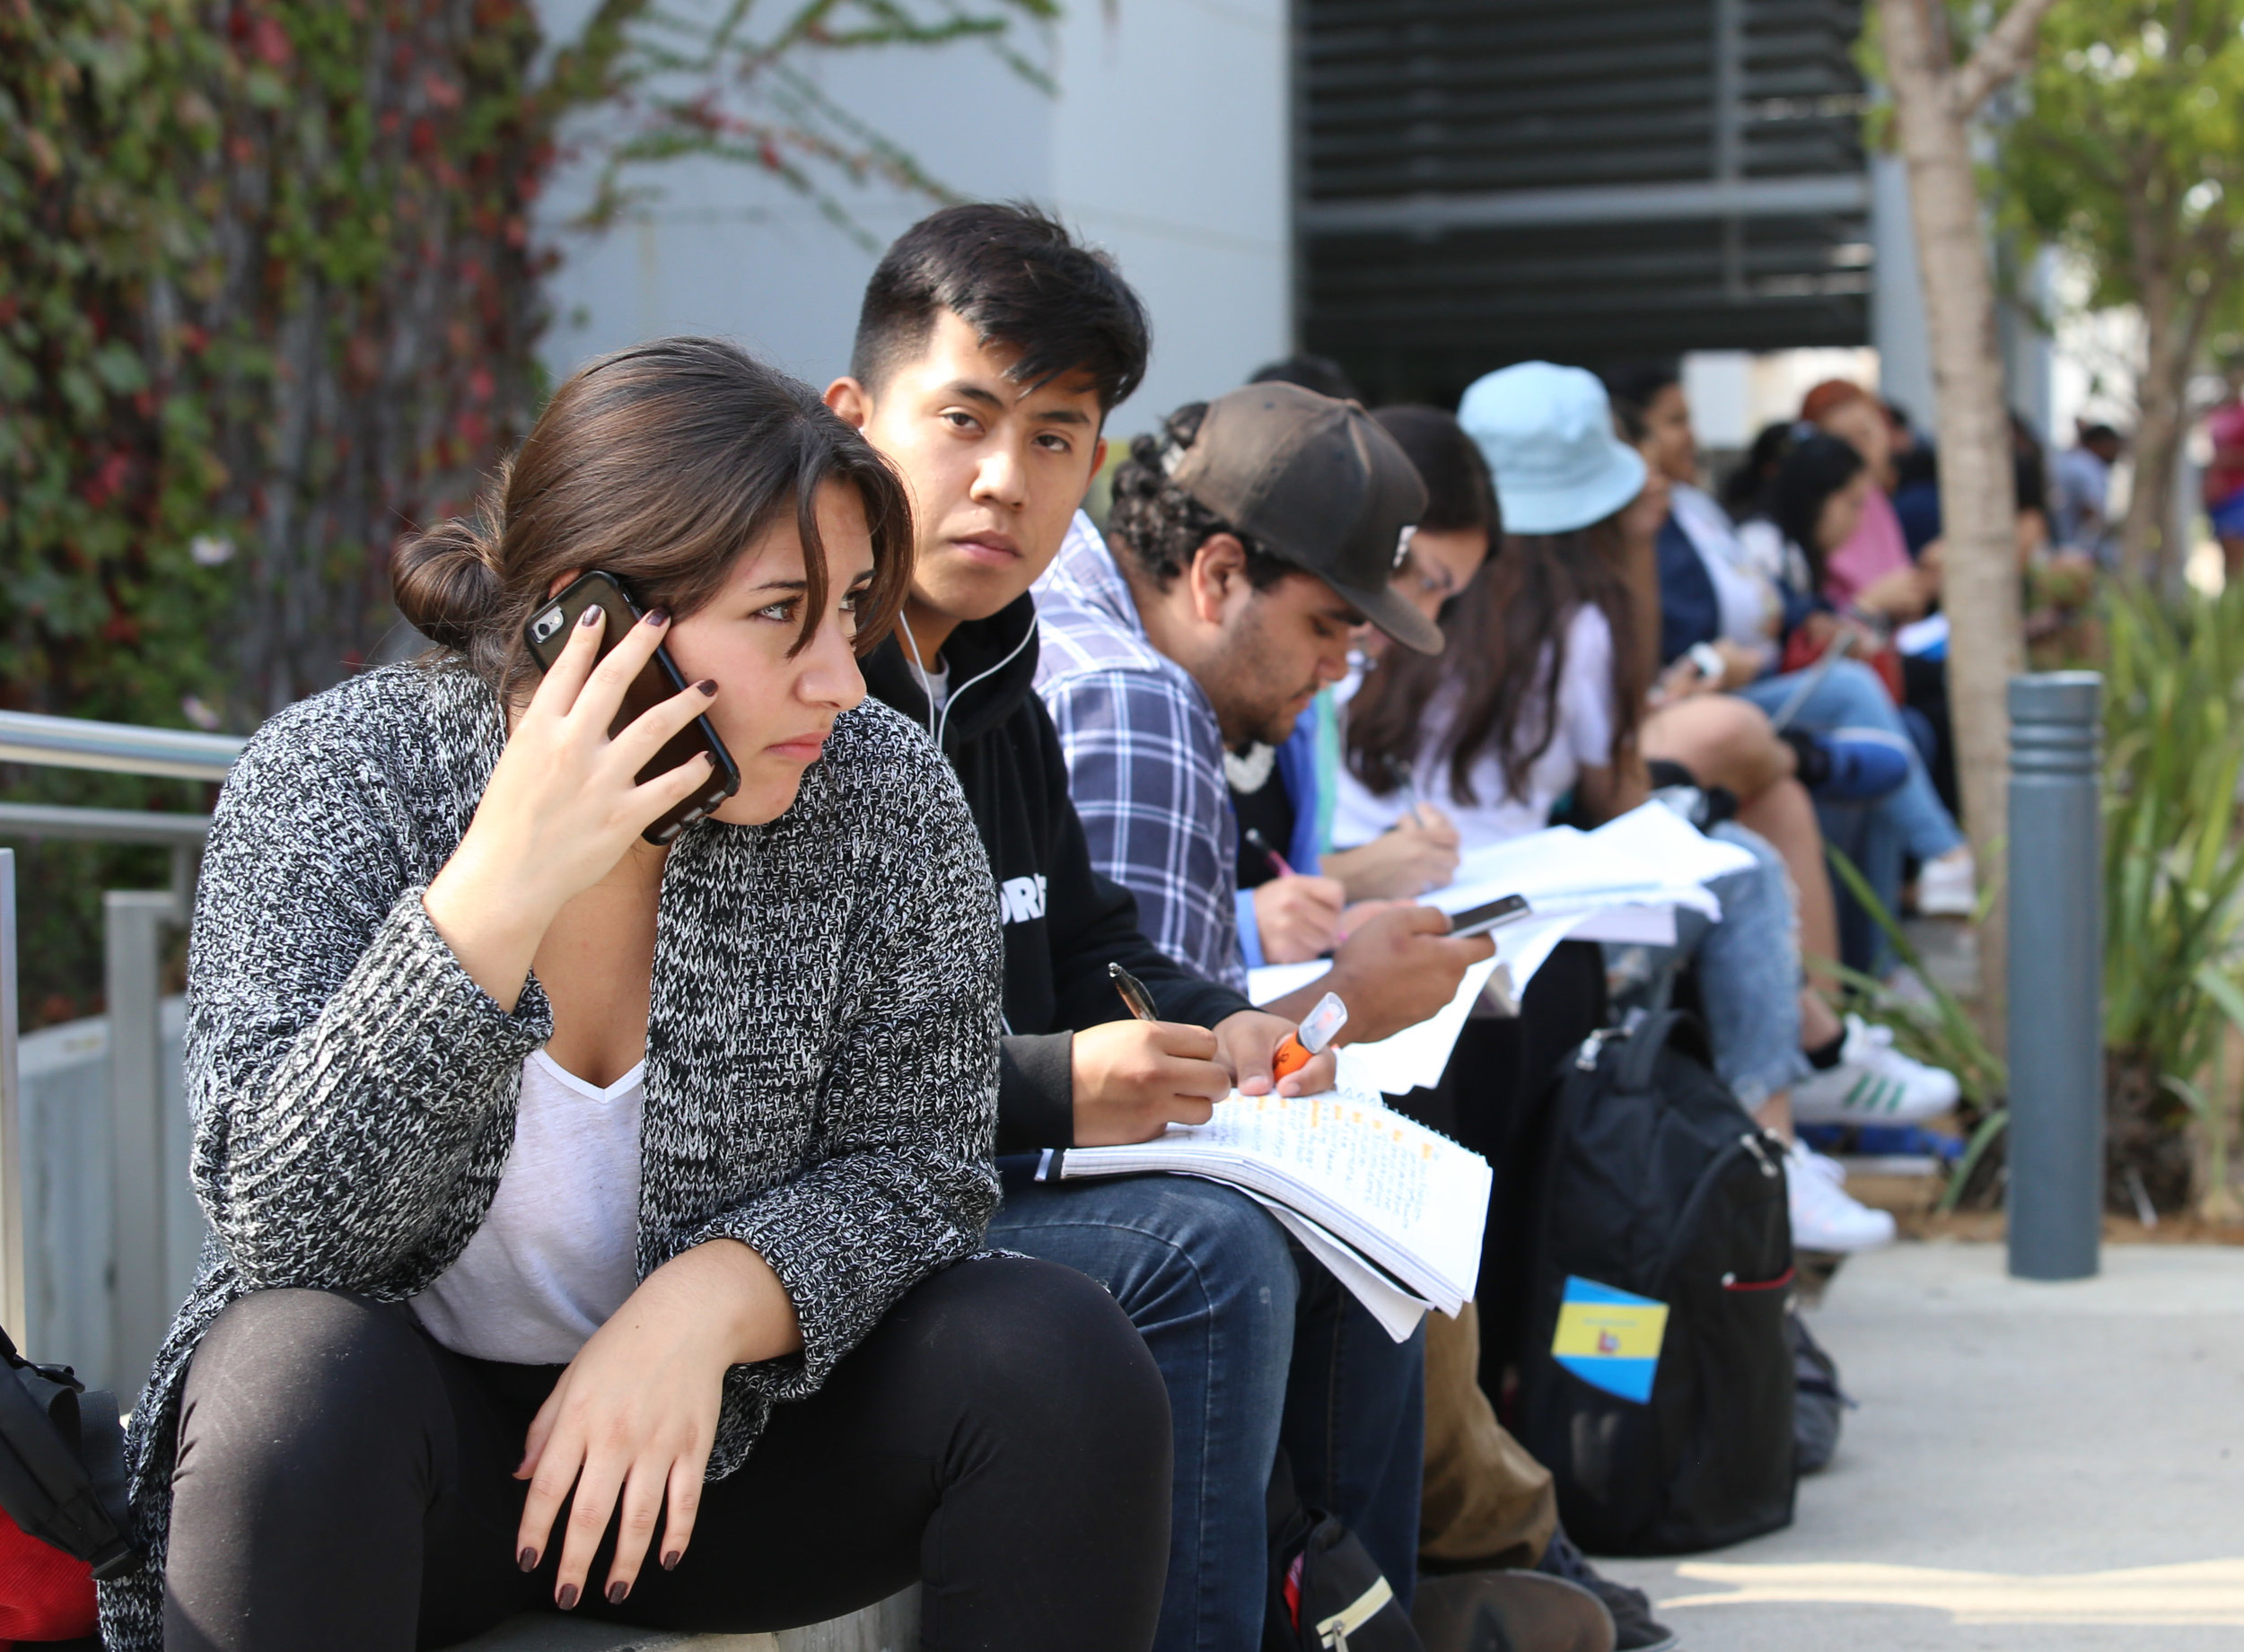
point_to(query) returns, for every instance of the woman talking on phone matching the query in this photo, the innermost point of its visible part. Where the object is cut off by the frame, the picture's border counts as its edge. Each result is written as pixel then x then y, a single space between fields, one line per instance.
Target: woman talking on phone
pixel 591 1214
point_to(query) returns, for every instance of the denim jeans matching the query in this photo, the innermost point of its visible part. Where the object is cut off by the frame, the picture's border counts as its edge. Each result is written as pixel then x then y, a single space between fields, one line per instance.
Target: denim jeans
pixel 1748 973
pixel 1260 1347
pixel 1852 696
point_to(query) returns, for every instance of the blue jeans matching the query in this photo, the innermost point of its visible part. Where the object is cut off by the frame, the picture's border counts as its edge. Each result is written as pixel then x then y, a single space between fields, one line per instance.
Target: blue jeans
pixel 1748 973
pixel 1260 1347
pixel 1853 697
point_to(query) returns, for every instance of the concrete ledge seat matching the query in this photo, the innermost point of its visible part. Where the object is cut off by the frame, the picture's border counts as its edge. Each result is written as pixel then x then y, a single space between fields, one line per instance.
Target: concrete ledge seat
pixel 891 1625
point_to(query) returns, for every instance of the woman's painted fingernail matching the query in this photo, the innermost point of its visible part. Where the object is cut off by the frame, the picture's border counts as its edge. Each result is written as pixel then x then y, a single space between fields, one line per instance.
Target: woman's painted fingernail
pixel 670 1560
pixel 658 617
pixel 567 1599
pixel 592 617
pixel 707 685
pixel 526 1559
pixel 615 1592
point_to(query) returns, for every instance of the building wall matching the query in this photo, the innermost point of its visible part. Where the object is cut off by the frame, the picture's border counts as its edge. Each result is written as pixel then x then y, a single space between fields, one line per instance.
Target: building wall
pixel 1166 143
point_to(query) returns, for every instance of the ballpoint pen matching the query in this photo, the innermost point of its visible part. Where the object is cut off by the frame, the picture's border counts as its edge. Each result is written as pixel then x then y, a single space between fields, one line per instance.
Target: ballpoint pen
pixel 1261 846
pixel 1134 993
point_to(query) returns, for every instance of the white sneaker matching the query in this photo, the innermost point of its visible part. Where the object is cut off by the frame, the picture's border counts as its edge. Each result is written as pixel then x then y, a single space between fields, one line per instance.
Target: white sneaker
pixel 1949 887
pixel 1874 1084
pixel 1824 1218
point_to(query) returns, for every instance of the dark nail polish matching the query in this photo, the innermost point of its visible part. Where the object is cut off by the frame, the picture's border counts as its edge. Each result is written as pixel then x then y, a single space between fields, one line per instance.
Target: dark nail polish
pixel 615 1592
pixel 658 617
pixel 567 1599
pixel 526 1559
pixel 670 1560
pixel 707 685
pixel 591 617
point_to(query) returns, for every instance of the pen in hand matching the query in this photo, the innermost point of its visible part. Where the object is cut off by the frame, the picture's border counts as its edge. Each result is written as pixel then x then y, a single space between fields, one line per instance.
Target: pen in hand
pixel 1134 993
pixel 1261 846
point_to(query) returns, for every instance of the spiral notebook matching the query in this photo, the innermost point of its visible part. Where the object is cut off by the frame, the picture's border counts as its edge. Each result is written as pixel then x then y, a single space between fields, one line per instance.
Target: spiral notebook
pixel 1394 1208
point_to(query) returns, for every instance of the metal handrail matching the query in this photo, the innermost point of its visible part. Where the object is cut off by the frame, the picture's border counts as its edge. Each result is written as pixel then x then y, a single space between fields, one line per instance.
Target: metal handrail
pixel 116 747
pixel 102 826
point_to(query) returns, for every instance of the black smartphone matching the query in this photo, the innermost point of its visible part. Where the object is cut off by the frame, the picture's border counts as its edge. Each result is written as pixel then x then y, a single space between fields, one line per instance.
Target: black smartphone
pixel 546 634
pixel 1480 919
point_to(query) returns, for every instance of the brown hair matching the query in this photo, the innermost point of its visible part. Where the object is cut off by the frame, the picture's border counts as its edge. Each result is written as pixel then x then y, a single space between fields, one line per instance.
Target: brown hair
pixel 1829 396
pixel 1506 649
pixel 660 464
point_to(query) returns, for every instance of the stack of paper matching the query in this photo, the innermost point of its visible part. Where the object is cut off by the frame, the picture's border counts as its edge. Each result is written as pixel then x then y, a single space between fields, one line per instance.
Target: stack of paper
pixel 1395 1210
pixel 1621 882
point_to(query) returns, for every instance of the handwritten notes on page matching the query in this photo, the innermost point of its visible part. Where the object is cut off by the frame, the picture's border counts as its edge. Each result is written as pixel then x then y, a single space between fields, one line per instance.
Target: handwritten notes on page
pixel 1410 1200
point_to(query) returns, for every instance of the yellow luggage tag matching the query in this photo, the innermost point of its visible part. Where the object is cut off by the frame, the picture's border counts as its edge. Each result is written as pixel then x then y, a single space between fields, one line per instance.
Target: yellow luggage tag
pixel 1610 1339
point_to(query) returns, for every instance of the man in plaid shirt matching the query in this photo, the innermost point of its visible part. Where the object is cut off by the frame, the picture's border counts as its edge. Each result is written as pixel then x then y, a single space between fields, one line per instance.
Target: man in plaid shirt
pixel 1266 526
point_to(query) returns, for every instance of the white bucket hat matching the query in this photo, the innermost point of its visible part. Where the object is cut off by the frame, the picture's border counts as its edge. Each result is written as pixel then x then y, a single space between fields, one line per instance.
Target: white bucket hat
pixel 1546 433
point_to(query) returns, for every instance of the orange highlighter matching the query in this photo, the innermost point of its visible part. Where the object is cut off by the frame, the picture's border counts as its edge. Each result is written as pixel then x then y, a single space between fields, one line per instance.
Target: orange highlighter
pixel 1319 1027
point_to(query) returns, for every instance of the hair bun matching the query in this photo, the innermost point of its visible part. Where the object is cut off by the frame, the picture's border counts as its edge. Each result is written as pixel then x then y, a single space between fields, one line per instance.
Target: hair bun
pixel 445 580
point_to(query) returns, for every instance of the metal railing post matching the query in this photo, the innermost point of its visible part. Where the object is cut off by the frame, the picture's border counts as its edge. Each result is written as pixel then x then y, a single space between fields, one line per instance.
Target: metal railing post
pixel 2057 976
pixel 133 920
pixel 15 1175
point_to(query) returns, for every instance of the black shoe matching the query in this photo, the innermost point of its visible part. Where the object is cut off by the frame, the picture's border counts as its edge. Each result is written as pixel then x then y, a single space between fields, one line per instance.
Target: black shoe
pixel 1634 1630
pixel 1508 1612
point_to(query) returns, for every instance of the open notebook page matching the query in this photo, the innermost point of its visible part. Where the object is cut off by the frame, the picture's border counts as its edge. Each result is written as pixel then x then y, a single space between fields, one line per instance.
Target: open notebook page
pixel 1411 1199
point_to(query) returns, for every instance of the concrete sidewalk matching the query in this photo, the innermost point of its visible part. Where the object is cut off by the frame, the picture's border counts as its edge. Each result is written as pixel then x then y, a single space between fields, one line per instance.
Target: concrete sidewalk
pixel 2057 1467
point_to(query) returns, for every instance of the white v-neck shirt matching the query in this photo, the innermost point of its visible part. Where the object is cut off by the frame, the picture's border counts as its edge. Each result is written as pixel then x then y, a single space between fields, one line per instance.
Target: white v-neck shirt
pixel 559 1252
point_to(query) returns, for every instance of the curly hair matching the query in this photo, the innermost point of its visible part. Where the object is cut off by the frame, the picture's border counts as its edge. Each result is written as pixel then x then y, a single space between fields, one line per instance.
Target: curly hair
pixel 1159 526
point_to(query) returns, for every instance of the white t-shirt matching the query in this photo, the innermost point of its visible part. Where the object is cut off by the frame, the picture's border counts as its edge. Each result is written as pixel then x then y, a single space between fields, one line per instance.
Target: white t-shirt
pixel 1751 610
pixel 559 1252
pixel 937 684
pixel 1582 739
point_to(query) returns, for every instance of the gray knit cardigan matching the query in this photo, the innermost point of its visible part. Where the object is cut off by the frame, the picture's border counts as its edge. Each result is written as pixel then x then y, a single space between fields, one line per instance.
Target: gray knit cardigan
pixel 821 1054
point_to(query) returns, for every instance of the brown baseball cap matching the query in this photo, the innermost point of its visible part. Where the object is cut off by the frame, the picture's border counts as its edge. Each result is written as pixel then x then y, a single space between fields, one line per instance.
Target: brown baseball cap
pixel 1316 483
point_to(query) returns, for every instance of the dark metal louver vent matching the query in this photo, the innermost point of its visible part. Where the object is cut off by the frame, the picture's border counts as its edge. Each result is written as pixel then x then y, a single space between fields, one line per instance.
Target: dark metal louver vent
pixel 1589 180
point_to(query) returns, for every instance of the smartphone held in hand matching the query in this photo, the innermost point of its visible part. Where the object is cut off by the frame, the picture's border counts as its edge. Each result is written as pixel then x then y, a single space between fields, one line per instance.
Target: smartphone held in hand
pixel 1480 919
pixel 546 634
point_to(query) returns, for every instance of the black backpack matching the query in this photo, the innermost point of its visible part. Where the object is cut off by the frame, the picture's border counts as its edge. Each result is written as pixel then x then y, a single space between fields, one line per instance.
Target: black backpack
pixel 1655 1182
pixel 62 1463
pixel 1327 1593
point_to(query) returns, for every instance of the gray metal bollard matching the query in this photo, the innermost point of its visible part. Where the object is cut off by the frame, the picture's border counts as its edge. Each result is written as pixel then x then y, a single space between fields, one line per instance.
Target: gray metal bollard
pixel 2057 976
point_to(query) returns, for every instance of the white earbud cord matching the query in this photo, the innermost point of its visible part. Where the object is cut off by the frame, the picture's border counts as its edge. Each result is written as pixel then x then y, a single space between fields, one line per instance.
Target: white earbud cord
pixel 936 725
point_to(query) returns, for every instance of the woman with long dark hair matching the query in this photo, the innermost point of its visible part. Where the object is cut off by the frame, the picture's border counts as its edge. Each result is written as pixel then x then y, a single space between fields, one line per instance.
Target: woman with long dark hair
pixel 551 1170
pixel 1539 693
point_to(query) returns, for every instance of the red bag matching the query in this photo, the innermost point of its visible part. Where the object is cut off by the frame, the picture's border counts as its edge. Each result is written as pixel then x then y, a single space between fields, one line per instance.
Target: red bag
pixel 1801 652
pixel 45 1595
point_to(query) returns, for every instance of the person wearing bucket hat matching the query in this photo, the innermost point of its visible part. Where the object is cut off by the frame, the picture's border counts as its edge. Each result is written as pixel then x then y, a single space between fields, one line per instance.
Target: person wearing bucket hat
pixel 1547 431
pixel 1543 692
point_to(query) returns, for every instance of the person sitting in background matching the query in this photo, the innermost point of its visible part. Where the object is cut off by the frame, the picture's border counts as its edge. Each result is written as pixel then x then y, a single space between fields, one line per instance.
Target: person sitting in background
pixel 1872 574
pixel 533 1216
pixel 1744 590
pixel 1251 539
pixel 1538 695
pixel 1319 374
pixel 1488 1503
pixel 1722 741
pixel 2082 521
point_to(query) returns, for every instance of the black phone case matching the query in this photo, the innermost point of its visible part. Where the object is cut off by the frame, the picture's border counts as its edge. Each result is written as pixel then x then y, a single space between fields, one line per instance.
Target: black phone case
pixel 1494 916
pixel 546 633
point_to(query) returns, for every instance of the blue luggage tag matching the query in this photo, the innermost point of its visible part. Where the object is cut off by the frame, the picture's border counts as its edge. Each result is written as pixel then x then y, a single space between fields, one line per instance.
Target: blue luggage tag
pixel 1610 1339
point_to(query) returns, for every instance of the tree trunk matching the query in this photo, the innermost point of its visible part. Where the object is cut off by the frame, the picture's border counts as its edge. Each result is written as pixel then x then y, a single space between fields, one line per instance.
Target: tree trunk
pixel 1980 589
pixel 2162 426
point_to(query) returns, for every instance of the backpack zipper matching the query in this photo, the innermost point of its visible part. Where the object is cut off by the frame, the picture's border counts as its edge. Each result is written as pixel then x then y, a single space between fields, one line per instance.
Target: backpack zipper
pixel 1586 1057
pixel 1752 1140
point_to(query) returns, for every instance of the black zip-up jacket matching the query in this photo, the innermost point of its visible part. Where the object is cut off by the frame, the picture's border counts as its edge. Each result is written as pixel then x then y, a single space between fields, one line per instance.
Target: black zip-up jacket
pixel 1064 923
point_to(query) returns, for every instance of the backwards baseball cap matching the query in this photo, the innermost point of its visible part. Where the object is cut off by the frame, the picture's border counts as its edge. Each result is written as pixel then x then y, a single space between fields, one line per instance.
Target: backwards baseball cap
pixel 1316 482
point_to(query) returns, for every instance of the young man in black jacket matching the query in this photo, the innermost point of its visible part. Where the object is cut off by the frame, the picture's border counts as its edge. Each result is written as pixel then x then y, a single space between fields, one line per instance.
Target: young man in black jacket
pixel 989 351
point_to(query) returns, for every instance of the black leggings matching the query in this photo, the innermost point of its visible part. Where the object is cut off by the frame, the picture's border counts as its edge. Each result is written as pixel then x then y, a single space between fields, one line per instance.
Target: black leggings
pixel 1002 1436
